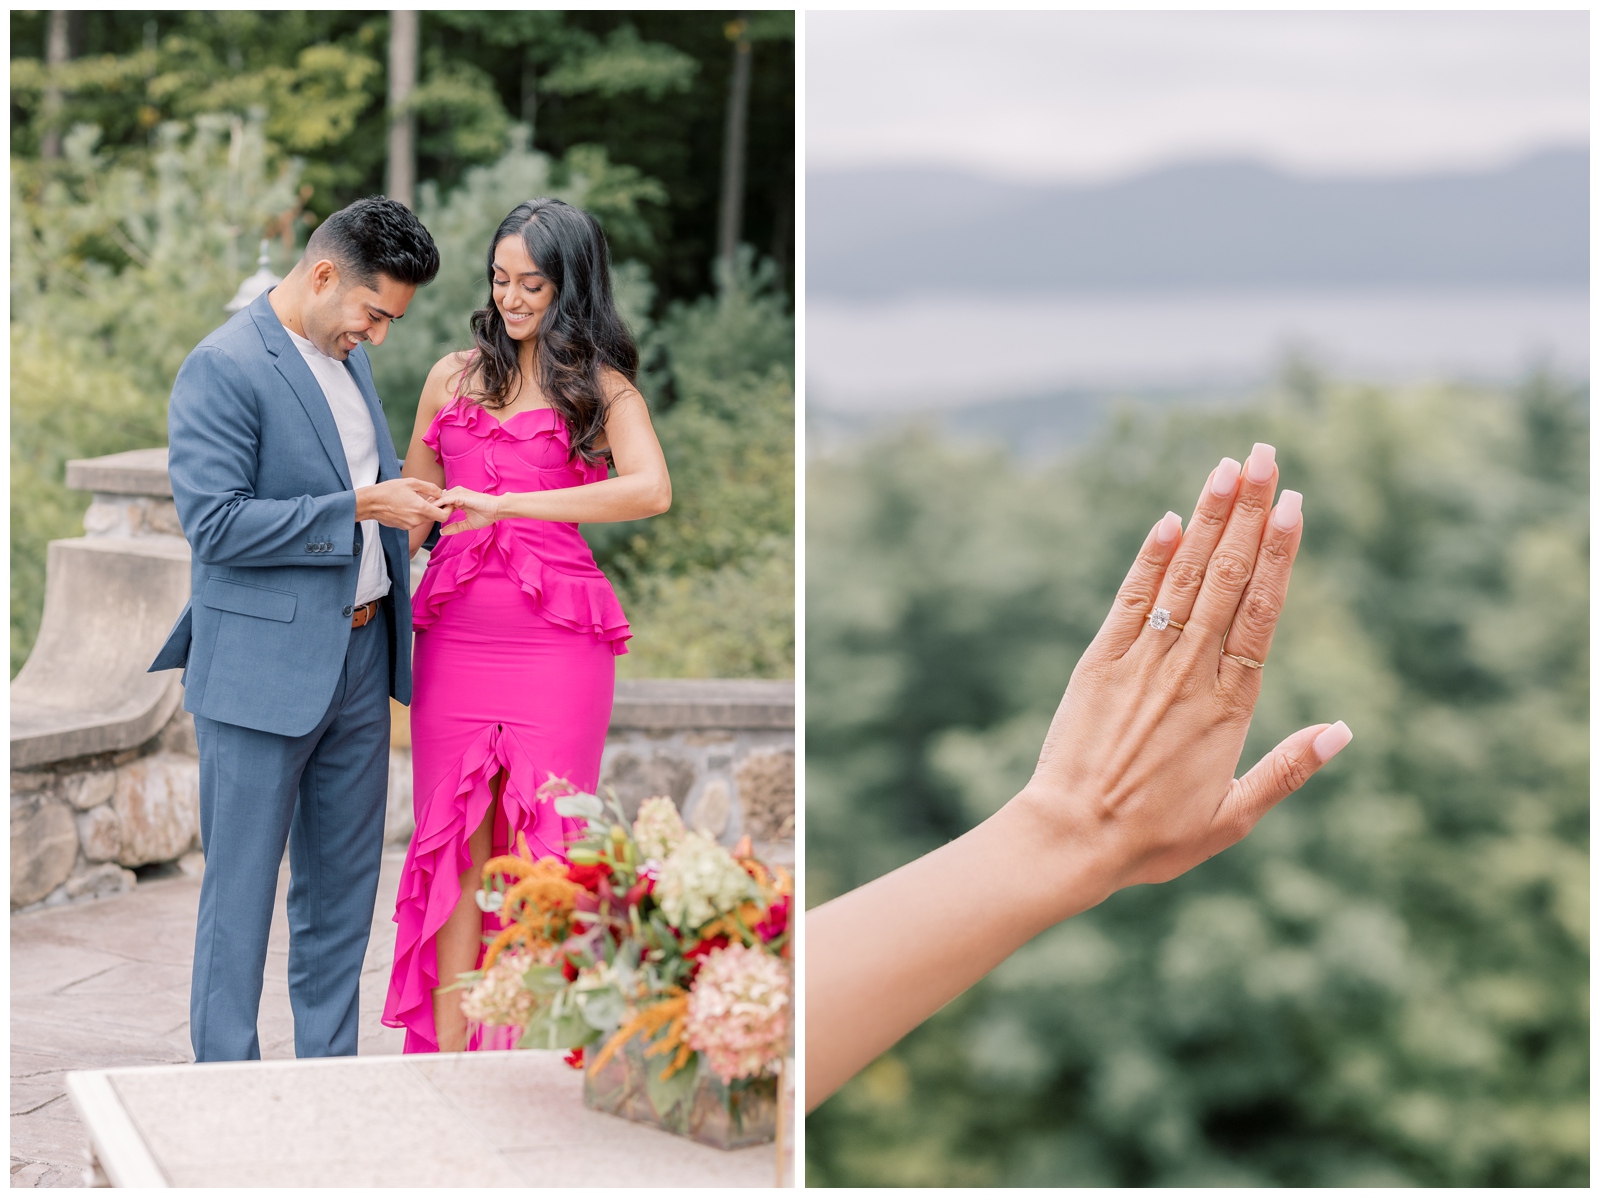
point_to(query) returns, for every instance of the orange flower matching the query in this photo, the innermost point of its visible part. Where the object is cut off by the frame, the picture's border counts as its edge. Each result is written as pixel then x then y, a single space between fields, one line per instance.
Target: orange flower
pixel 536 907
pixel 671 1014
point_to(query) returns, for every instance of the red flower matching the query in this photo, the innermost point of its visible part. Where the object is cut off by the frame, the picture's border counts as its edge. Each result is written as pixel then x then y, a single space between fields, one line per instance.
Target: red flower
pixel 706 947
pixel 777 921
pixel 569 970
pixel 589 876
pixel 638 890
pixel 575 1057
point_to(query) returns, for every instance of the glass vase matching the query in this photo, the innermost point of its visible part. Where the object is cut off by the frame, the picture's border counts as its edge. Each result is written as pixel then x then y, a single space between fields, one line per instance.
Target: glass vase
pixel 706 1109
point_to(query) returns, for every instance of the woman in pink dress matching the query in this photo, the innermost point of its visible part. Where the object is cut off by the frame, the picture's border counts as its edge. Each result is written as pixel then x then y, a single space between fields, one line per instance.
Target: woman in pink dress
pixel 517 630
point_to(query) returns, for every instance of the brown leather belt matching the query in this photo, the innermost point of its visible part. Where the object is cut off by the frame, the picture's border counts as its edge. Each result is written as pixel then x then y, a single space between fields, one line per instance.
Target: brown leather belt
pixel 364 614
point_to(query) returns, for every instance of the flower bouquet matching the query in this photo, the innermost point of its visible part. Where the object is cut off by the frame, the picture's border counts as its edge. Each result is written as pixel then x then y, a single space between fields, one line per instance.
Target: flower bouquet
pixel 659 959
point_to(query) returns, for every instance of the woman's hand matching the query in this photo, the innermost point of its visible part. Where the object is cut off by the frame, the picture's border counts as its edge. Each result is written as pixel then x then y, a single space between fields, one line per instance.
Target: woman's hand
pixel 481 510
pixel 1140 757
pixel 1134 784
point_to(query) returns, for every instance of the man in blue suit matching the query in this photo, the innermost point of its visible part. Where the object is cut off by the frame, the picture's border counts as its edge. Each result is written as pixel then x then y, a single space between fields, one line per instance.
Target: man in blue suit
pixel 298 627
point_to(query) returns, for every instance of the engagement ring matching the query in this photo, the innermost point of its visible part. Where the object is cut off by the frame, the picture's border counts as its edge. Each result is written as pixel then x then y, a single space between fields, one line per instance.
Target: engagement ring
pixel 1161 618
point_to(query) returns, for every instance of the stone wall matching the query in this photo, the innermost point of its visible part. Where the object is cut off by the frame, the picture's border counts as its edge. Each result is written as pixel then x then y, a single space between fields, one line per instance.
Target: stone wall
pixel 721 749
pixel 105 776
pixel 79 827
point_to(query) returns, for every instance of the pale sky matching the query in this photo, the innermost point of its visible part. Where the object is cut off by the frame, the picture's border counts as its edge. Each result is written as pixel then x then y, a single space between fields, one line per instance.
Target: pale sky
pixel 1059 96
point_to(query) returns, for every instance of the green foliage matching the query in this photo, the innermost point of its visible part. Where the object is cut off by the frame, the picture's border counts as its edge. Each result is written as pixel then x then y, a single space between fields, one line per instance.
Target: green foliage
pixel 94 345
pixel 1386 983
pixel 620 65
pixel 318 78
pixel 710 585
pixel 651 88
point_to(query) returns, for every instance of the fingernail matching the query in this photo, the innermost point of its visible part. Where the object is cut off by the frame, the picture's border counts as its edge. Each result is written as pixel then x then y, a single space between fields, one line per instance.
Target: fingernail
pixel 1225 477
pixel 1168 528
pixel 1330 740
pixel 1287 513
pixel 1259 468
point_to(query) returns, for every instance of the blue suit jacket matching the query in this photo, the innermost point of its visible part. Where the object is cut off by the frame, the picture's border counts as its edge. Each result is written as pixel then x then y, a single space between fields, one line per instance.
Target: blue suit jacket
pixel 264 495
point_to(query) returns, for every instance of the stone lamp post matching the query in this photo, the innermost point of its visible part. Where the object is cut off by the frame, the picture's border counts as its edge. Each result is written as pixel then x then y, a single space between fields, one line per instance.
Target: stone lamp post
pixel 262 280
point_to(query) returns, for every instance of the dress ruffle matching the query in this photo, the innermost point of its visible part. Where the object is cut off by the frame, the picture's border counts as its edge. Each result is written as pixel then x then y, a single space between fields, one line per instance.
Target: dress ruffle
pixel 579 601
pixel 581 604
pixel 430 885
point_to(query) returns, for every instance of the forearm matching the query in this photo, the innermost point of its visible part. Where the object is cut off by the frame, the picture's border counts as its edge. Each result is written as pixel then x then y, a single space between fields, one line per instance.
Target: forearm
pixel 882 958
pixel 310 530
pixel 626 497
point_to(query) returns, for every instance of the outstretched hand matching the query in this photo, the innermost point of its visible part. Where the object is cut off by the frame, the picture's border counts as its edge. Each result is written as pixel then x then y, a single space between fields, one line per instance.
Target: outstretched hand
pixel 1140 757
pixel 1135 782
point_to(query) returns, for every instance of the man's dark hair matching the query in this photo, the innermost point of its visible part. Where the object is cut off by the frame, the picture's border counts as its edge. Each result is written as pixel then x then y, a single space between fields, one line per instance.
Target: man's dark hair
pixel 372 237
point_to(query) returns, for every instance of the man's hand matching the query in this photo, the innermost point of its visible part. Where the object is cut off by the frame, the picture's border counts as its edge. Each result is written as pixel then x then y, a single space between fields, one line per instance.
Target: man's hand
pixel 400 503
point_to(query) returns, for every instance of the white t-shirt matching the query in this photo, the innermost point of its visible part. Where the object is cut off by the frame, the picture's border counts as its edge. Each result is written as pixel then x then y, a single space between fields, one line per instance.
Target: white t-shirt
pixel 360 441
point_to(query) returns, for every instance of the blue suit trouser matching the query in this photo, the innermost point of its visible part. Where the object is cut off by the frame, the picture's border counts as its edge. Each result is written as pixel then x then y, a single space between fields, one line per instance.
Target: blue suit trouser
pixel 324 793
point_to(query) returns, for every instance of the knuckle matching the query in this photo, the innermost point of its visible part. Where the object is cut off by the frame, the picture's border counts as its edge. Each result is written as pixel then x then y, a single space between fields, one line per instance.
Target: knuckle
pixel 1252 501
pixel 1259 609
pixel 1134 597
pixel 1230 568
pixel 1238 701
pixel 1275 552
pixel 1290 773
pixel 1209 516
pixel 1185 577
pixel 1182 684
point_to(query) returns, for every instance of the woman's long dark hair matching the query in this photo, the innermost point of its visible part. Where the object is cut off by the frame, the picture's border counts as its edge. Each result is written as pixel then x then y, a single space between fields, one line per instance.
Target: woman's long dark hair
pixel 580 332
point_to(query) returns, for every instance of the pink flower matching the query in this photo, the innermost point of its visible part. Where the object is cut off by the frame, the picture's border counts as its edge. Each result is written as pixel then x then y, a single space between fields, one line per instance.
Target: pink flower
pixel 776 923
pixel 738 1009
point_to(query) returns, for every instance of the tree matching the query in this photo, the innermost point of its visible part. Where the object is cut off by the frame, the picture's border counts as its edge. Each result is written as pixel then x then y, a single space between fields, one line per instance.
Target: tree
pixel 648 87
pixel 402 120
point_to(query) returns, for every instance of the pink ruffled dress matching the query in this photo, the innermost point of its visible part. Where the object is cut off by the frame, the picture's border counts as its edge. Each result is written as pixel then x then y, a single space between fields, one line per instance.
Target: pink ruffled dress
pixel 517 633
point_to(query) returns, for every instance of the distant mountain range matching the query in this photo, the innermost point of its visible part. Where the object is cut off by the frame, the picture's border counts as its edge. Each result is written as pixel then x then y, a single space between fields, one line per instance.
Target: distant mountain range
pixel 880 233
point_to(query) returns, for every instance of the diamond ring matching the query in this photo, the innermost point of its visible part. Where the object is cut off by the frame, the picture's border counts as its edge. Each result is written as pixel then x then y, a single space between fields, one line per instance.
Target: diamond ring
pixel 1161 618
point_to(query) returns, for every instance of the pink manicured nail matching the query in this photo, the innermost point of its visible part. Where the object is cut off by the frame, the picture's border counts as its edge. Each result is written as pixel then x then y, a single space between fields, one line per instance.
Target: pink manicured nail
pixel 1287 513
pixel 1259 467
pixel 1330 740
pixel 1225 477
pixel 1168 528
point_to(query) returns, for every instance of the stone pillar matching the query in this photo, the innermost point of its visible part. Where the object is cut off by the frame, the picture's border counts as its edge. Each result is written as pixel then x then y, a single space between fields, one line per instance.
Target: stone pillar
pixel 104 771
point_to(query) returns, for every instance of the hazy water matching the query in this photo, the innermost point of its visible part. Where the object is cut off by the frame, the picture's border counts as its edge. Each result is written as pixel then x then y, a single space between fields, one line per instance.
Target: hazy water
pixel 938 352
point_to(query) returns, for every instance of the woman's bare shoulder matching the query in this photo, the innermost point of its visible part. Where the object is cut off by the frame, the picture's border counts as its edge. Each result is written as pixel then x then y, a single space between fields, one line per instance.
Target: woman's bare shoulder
pixel 445 379
pixel 616 387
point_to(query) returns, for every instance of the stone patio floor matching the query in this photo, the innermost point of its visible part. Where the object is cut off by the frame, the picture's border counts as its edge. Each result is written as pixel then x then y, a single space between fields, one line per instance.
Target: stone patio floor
pixel 106 983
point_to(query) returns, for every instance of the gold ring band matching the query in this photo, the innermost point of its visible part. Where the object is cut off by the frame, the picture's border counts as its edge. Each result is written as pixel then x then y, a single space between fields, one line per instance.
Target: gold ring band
pixel 1244 661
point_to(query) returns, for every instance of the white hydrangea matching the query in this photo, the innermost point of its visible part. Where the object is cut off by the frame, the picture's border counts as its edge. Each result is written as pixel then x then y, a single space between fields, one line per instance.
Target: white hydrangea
pixel 699 881
pixel 498 998
pixel 658 828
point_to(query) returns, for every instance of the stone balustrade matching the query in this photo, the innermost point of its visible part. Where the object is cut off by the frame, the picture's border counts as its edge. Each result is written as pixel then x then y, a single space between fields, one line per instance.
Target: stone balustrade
pixel 104 767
